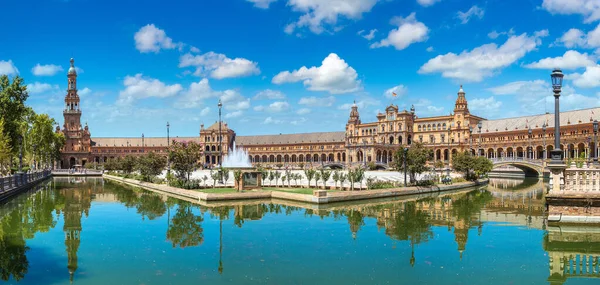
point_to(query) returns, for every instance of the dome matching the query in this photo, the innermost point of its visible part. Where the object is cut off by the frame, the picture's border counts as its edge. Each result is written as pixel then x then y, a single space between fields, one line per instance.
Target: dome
pixel 72 70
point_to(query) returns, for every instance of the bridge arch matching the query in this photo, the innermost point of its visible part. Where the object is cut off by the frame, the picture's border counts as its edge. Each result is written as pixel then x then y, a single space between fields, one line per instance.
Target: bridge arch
pixel 530 168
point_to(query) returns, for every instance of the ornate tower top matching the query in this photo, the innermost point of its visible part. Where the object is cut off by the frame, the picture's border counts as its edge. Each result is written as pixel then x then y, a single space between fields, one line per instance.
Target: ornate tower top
pixel 354 116
pixel 72 71
pixel 461 104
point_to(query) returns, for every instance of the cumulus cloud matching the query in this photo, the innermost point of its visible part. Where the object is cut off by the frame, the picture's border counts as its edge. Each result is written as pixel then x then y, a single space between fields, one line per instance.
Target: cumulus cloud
pixel 362 103
pixel 474 11
pixel 570 60
pixel 482 61
pixel 274 107
pixel 303 111
pixel 262 4
pixel 152 39
pixel 535 88
pixel 488 106
pixel 588 79
pixel 234 114
pixel 219 66
pixel 317 101
pixel 576 38
pixel 589 9
pixel 409 31
pixel 334 76
pixel 269 94
pixel 8 68
pixel 139 87
pixel 270 120
pixel 321 15
pixel 205 111
pixel 84 92
pixel 494 34
pixel 400 91
pixel 430 49
pixel 37 87
pixel 46 70
pixel 368 36
pixel 426 3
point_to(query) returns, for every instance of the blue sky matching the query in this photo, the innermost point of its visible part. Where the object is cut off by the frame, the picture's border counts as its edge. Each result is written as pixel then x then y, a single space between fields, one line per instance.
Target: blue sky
pixel 284 66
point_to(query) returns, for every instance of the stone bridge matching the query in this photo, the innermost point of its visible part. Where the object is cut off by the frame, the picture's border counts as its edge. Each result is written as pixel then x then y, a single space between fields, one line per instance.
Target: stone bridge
pixel 340 165
pixel 531 167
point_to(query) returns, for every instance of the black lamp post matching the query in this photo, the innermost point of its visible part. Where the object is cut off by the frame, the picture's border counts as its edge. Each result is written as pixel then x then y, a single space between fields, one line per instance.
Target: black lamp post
pixel 544 139
pixel 143 145
pixel 168 154
pixel 479 125
pixel 449 132
pixel 405 155
pixel 322 148
pixel 530 148
pixel 220 142
pixel 595 141
pixel 470 139
pixel 557 78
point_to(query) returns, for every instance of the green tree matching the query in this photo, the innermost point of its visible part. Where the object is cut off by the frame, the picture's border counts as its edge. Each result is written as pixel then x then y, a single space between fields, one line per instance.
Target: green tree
pixel 5 150
pixel 472 167
pixel 309 173
pixel 325 175
pixel 185 228
pixel 237 175
pixel 483 166
pixel 335 178
pixel 343 178
pixel 184 157
pixel 150 165
pixel 215 176
pixel 317 178
pixel 277 176
pixel 12 108
pixel 416 160
pixel 128 164
pixel 225 174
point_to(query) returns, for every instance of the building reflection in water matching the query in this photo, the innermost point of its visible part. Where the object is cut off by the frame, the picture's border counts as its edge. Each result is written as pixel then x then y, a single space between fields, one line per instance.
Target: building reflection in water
pixel 572 253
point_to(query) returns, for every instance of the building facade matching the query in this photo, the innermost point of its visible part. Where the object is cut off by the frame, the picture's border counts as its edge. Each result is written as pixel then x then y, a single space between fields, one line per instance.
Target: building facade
pixel 361 143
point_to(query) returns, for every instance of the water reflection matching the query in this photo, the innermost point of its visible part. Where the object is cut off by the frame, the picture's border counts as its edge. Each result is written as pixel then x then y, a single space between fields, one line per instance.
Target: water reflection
pixel 413 220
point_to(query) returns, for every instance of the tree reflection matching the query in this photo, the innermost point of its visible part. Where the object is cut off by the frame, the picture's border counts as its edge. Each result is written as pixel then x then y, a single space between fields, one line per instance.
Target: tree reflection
pixel 150 205
pixel 13 261
pixel 185 228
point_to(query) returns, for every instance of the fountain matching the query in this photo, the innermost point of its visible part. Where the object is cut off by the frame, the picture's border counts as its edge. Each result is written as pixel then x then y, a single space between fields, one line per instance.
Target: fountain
pixel 237 159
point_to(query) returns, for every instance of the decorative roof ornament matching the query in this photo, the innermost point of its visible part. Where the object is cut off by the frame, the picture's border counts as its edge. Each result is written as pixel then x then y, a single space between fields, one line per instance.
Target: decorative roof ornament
pixel 72 70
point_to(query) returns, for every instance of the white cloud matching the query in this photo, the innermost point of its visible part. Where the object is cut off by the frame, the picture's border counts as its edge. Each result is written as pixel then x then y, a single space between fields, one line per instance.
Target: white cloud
pixel 139 87
pixel 319 15
pixel 368 36
pixel 400 91
pixel 317 101
pixel 269 94
pixel 234 114
pixel 426 3
pixel 425 107
pixel 79 70
pixel 474 11
pixel 363 103
pixel 494 34
pixel 482 61
pixel 233 100
pixel 409 31
pixel 194 49
pixel 488 106
pixel 270 120
pixel 259 108
pixel 334 76
pixel 589 79
pixel 534 88
pixel 262 4
pixel 85 91
pixel 570 60
pixel 303 111
pixel 8 68
pixel 46 70
pixel 37 88
pixel 205 111
pixel 152 39
pixel 430 49
pixel 218 65
pixel 589 9
pixel 278 106
pixel 577 38
pixel 298 121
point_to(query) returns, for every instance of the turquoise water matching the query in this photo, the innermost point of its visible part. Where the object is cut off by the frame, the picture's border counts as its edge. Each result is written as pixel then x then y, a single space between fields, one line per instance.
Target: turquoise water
pixel 90 231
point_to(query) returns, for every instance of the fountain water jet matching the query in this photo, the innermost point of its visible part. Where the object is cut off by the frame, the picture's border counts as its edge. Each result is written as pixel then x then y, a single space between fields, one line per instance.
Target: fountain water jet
pixel 237 158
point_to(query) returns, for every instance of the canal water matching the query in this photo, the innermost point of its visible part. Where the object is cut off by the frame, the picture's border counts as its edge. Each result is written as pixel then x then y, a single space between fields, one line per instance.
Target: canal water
pixel 91 231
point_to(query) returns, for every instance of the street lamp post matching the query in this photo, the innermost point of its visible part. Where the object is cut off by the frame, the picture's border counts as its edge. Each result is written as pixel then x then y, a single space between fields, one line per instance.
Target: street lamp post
pixel 143 145
pixel 530 148
pixel 544 140
pixel 595 141
pixel 168 154
pixel 405 155
pixel 449 132
pixel 470 139
pixel 479 125
pixel 220 142
pixel 557 77
pixel 322 148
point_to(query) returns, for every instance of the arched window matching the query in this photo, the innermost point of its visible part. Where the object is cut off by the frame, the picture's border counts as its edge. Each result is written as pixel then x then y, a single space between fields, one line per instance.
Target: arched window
pixel 419 128
pixel 391 140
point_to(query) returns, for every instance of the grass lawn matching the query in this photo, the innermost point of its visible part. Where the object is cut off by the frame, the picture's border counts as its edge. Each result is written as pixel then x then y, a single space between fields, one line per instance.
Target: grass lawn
pixel 217 190
pixel 308 191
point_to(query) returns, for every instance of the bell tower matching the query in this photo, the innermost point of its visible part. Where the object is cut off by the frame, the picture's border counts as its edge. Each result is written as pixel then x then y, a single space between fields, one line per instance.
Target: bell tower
pixel 461 105
pixel 77 139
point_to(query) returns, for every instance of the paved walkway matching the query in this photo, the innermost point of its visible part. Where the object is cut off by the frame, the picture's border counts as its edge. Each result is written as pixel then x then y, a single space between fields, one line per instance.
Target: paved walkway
pixel 330 197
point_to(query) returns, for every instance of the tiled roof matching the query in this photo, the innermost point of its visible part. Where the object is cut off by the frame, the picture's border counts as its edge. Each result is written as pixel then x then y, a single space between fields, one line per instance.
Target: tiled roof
pixel 290 138
pixel 536 121
pixel 149 142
